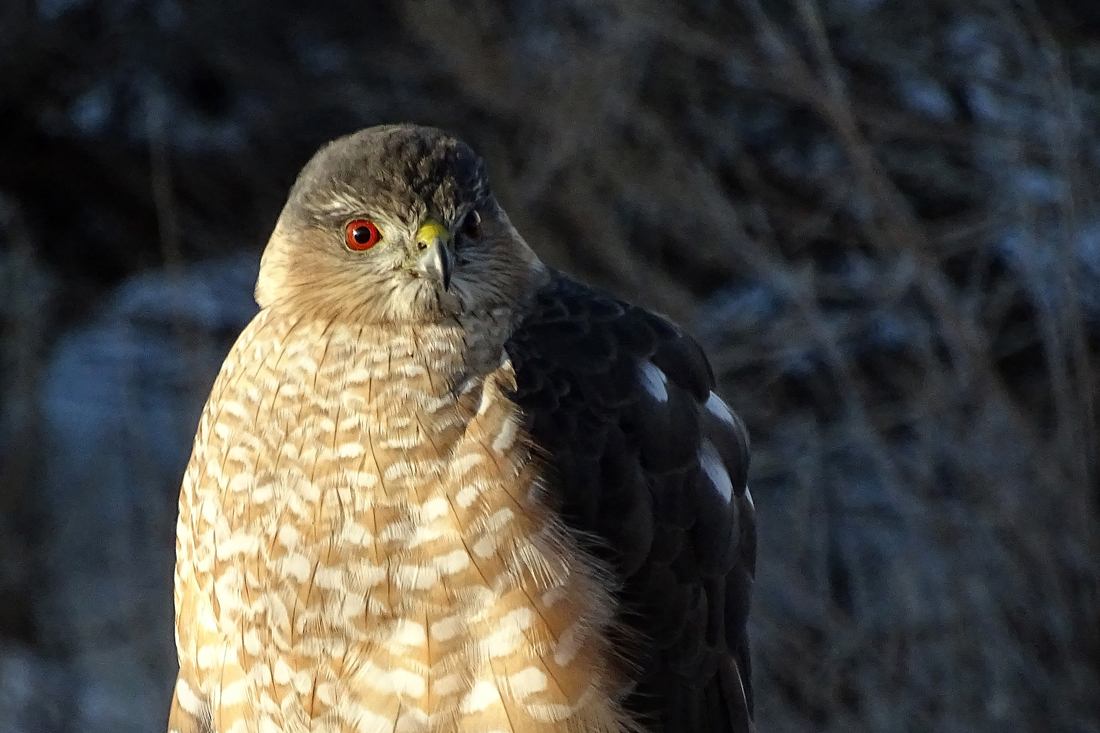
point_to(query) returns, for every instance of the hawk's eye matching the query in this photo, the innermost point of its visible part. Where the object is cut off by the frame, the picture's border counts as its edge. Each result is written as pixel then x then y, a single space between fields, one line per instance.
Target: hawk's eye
pixel 361 234
pixel 471 225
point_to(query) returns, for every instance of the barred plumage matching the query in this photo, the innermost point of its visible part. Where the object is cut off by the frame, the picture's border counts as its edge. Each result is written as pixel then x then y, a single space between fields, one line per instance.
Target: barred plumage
pixel 377 532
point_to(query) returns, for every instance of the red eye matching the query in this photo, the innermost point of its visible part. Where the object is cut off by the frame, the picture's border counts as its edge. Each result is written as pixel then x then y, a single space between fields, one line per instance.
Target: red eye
pixel 361 234
pixel 471 225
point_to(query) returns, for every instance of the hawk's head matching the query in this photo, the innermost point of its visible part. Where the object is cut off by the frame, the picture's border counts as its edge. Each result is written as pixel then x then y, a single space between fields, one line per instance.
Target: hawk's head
pixel 395 224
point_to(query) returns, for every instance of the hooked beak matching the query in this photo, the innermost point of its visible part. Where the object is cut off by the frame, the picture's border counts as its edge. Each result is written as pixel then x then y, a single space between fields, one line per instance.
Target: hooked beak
pixel 434 259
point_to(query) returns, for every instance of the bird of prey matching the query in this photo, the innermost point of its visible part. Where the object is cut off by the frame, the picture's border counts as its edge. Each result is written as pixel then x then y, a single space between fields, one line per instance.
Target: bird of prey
pixel 441 486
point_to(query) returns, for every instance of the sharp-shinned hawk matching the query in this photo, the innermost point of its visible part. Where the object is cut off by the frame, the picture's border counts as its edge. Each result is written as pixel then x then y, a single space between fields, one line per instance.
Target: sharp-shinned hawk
pixel 440 486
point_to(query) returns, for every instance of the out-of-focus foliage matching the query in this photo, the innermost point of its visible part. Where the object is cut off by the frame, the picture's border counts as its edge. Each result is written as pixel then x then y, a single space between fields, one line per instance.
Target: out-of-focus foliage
pixel 879 217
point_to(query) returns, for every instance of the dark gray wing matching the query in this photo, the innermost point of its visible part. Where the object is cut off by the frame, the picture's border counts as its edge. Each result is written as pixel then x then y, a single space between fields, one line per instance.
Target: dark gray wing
pixel 649 462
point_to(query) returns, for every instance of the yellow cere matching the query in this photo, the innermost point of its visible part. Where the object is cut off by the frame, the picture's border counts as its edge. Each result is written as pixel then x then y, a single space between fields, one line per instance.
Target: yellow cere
pixel 431 230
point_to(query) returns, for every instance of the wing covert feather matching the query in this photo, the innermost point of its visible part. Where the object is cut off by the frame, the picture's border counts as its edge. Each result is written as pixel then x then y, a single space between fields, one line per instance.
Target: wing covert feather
pixel 649 469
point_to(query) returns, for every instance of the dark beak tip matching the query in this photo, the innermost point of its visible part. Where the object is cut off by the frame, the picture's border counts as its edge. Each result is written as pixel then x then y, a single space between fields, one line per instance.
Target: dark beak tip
pixel 435 262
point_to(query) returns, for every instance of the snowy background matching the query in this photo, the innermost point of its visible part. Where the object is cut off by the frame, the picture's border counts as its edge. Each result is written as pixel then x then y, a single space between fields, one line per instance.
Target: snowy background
pixel 880 217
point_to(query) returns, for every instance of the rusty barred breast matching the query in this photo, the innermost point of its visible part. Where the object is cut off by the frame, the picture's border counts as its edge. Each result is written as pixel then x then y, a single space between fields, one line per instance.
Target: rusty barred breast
pixel 363 546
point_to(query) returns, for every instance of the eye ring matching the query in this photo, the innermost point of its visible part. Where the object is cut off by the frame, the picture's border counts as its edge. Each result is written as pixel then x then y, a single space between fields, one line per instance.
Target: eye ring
pixel 471 225
pixel 361 235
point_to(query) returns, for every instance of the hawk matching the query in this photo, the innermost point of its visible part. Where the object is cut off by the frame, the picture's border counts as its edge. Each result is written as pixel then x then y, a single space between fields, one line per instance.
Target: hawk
pixel 441 486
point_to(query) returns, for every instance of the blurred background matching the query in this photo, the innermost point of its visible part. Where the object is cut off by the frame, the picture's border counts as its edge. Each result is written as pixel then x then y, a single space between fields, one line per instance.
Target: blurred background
pixel 880 217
